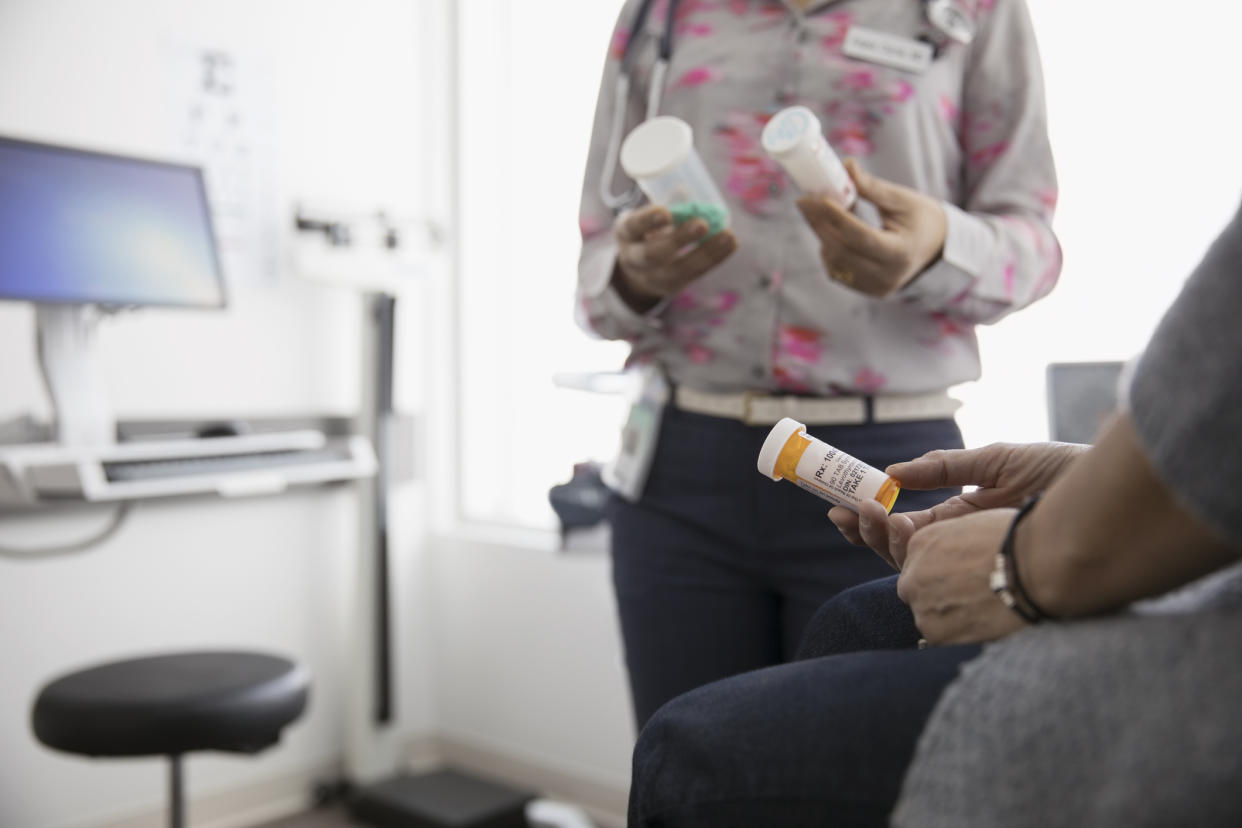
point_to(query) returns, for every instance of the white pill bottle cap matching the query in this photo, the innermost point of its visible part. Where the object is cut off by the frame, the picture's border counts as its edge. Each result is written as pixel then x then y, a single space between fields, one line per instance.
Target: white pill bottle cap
pixel 659 154
pixel 656 147
pixel 775 444
pixel 795 139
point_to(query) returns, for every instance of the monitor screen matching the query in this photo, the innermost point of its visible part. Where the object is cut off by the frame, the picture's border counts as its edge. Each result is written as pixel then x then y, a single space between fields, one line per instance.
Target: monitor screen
pixel 87 227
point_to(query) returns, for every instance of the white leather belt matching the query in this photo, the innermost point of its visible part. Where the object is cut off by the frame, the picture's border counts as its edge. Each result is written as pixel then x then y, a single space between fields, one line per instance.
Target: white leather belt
pixel 764 409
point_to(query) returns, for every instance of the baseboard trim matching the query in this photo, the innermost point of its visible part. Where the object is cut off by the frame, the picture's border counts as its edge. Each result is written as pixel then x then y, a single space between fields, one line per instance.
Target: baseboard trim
pixel 604 803
pixel 290 794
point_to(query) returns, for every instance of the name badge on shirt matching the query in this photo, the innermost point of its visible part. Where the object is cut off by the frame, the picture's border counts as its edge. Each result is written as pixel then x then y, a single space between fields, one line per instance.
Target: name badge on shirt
pixel 902 53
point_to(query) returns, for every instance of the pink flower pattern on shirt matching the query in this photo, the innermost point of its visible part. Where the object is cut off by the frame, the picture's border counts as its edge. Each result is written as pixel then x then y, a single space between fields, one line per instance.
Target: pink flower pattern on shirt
pixel 589 225
pixel 699 354
pixel 839 26
pixel 1010 273
pixel 797 350
pixel 865 94
pixel 868 381
pixel 946 334
pixel 698 76
pixel 754 178
pixel 710 312
pixel 950 112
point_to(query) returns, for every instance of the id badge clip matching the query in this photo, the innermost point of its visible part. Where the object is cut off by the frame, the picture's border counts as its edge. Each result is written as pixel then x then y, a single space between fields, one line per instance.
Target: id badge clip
pixel 648 393
pixel 951 20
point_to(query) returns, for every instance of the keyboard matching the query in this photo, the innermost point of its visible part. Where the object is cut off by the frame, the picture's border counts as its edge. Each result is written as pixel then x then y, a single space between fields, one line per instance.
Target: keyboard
pixel 222 463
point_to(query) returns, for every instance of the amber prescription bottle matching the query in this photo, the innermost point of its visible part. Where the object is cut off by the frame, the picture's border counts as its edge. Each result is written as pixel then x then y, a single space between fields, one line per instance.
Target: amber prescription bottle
pixel 790 453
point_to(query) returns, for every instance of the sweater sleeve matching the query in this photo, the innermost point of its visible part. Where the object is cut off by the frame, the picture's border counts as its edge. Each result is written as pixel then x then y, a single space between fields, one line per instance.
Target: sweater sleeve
pixel 599 310
pixel 1186 395
pixel 1000 253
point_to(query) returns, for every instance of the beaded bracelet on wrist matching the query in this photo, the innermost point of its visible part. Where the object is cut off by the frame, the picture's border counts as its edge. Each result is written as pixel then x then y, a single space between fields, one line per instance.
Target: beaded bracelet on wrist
pixel 1005 581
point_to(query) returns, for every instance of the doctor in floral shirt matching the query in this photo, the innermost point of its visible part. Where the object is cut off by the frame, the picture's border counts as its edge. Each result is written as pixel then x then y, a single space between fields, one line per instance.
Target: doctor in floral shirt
pixel 859 321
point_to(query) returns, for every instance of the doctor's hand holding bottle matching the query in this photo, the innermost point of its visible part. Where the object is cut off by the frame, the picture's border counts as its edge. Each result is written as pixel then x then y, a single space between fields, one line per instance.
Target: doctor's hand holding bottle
pixel 877 261
pixel 656 258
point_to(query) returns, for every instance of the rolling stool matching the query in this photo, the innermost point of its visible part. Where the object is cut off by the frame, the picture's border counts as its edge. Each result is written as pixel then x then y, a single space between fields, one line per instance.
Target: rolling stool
pixel 171 705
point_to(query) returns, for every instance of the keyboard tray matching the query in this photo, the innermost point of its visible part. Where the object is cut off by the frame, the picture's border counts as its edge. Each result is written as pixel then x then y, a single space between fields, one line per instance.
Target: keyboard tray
pixel 226 466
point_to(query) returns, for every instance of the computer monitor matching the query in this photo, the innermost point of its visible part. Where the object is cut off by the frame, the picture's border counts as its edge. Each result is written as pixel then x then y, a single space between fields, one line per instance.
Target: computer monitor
pixel 1082 397
pixel 86 233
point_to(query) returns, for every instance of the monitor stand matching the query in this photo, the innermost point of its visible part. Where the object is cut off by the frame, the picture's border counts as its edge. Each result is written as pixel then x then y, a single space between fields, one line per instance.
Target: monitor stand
pixel 69 362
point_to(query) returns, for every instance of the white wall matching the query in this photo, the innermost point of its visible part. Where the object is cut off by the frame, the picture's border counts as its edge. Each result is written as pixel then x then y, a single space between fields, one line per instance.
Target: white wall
pixel 1145 134
pixel 526 656
pixel 336 93
pixel 528 661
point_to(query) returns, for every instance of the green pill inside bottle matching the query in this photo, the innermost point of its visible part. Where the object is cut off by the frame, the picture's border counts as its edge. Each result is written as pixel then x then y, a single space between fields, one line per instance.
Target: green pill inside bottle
pixel 715 215
pixel 659 155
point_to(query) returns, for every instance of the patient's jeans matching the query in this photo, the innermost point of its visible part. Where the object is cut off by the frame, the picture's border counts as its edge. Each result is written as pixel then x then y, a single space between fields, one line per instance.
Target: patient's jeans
pixel 822 742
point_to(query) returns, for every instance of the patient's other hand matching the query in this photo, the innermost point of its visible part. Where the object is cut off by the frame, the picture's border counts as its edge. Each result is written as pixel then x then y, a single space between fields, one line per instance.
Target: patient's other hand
pixel 945 580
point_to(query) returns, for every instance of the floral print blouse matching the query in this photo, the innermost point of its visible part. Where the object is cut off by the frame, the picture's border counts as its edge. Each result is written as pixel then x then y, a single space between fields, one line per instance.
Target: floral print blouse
pixel 970 130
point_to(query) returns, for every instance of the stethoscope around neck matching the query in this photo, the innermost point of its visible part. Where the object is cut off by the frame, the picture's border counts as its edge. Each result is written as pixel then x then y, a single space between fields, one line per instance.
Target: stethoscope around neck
pixel 945 15
pixel 621 100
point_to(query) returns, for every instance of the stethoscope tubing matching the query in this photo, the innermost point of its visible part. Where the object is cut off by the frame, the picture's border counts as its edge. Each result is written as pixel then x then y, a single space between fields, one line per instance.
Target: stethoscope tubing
pixel 621 98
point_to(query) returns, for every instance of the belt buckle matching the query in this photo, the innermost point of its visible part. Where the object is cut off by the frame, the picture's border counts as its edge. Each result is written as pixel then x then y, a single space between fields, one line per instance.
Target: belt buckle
pixel 748 397
pixel 781 407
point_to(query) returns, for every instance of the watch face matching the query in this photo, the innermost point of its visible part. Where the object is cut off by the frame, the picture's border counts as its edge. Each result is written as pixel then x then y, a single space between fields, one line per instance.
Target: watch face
pixel 948 18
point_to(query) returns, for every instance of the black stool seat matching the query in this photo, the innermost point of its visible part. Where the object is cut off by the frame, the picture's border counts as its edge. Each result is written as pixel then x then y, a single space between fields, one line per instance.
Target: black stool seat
pixel 172 704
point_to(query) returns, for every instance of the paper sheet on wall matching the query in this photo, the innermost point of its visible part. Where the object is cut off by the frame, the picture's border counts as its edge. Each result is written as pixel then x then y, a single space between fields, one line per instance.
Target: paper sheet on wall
pixel 225 122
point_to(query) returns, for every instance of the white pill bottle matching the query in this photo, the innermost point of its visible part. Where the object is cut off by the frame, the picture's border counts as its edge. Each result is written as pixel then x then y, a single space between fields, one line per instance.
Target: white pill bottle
pixel 795 140
pixel 659 154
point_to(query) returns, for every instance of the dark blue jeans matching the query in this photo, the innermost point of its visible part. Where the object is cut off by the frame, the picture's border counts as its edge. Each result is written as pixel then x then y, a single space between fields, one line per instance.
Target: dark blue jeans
pixel 718 569
pixel 821 742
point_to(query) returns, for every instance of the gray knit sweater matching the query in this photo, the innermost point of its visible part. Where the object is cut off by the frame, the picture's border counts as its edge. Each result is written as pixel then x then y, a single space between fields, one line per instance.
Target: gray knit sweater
pixel 1135 719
